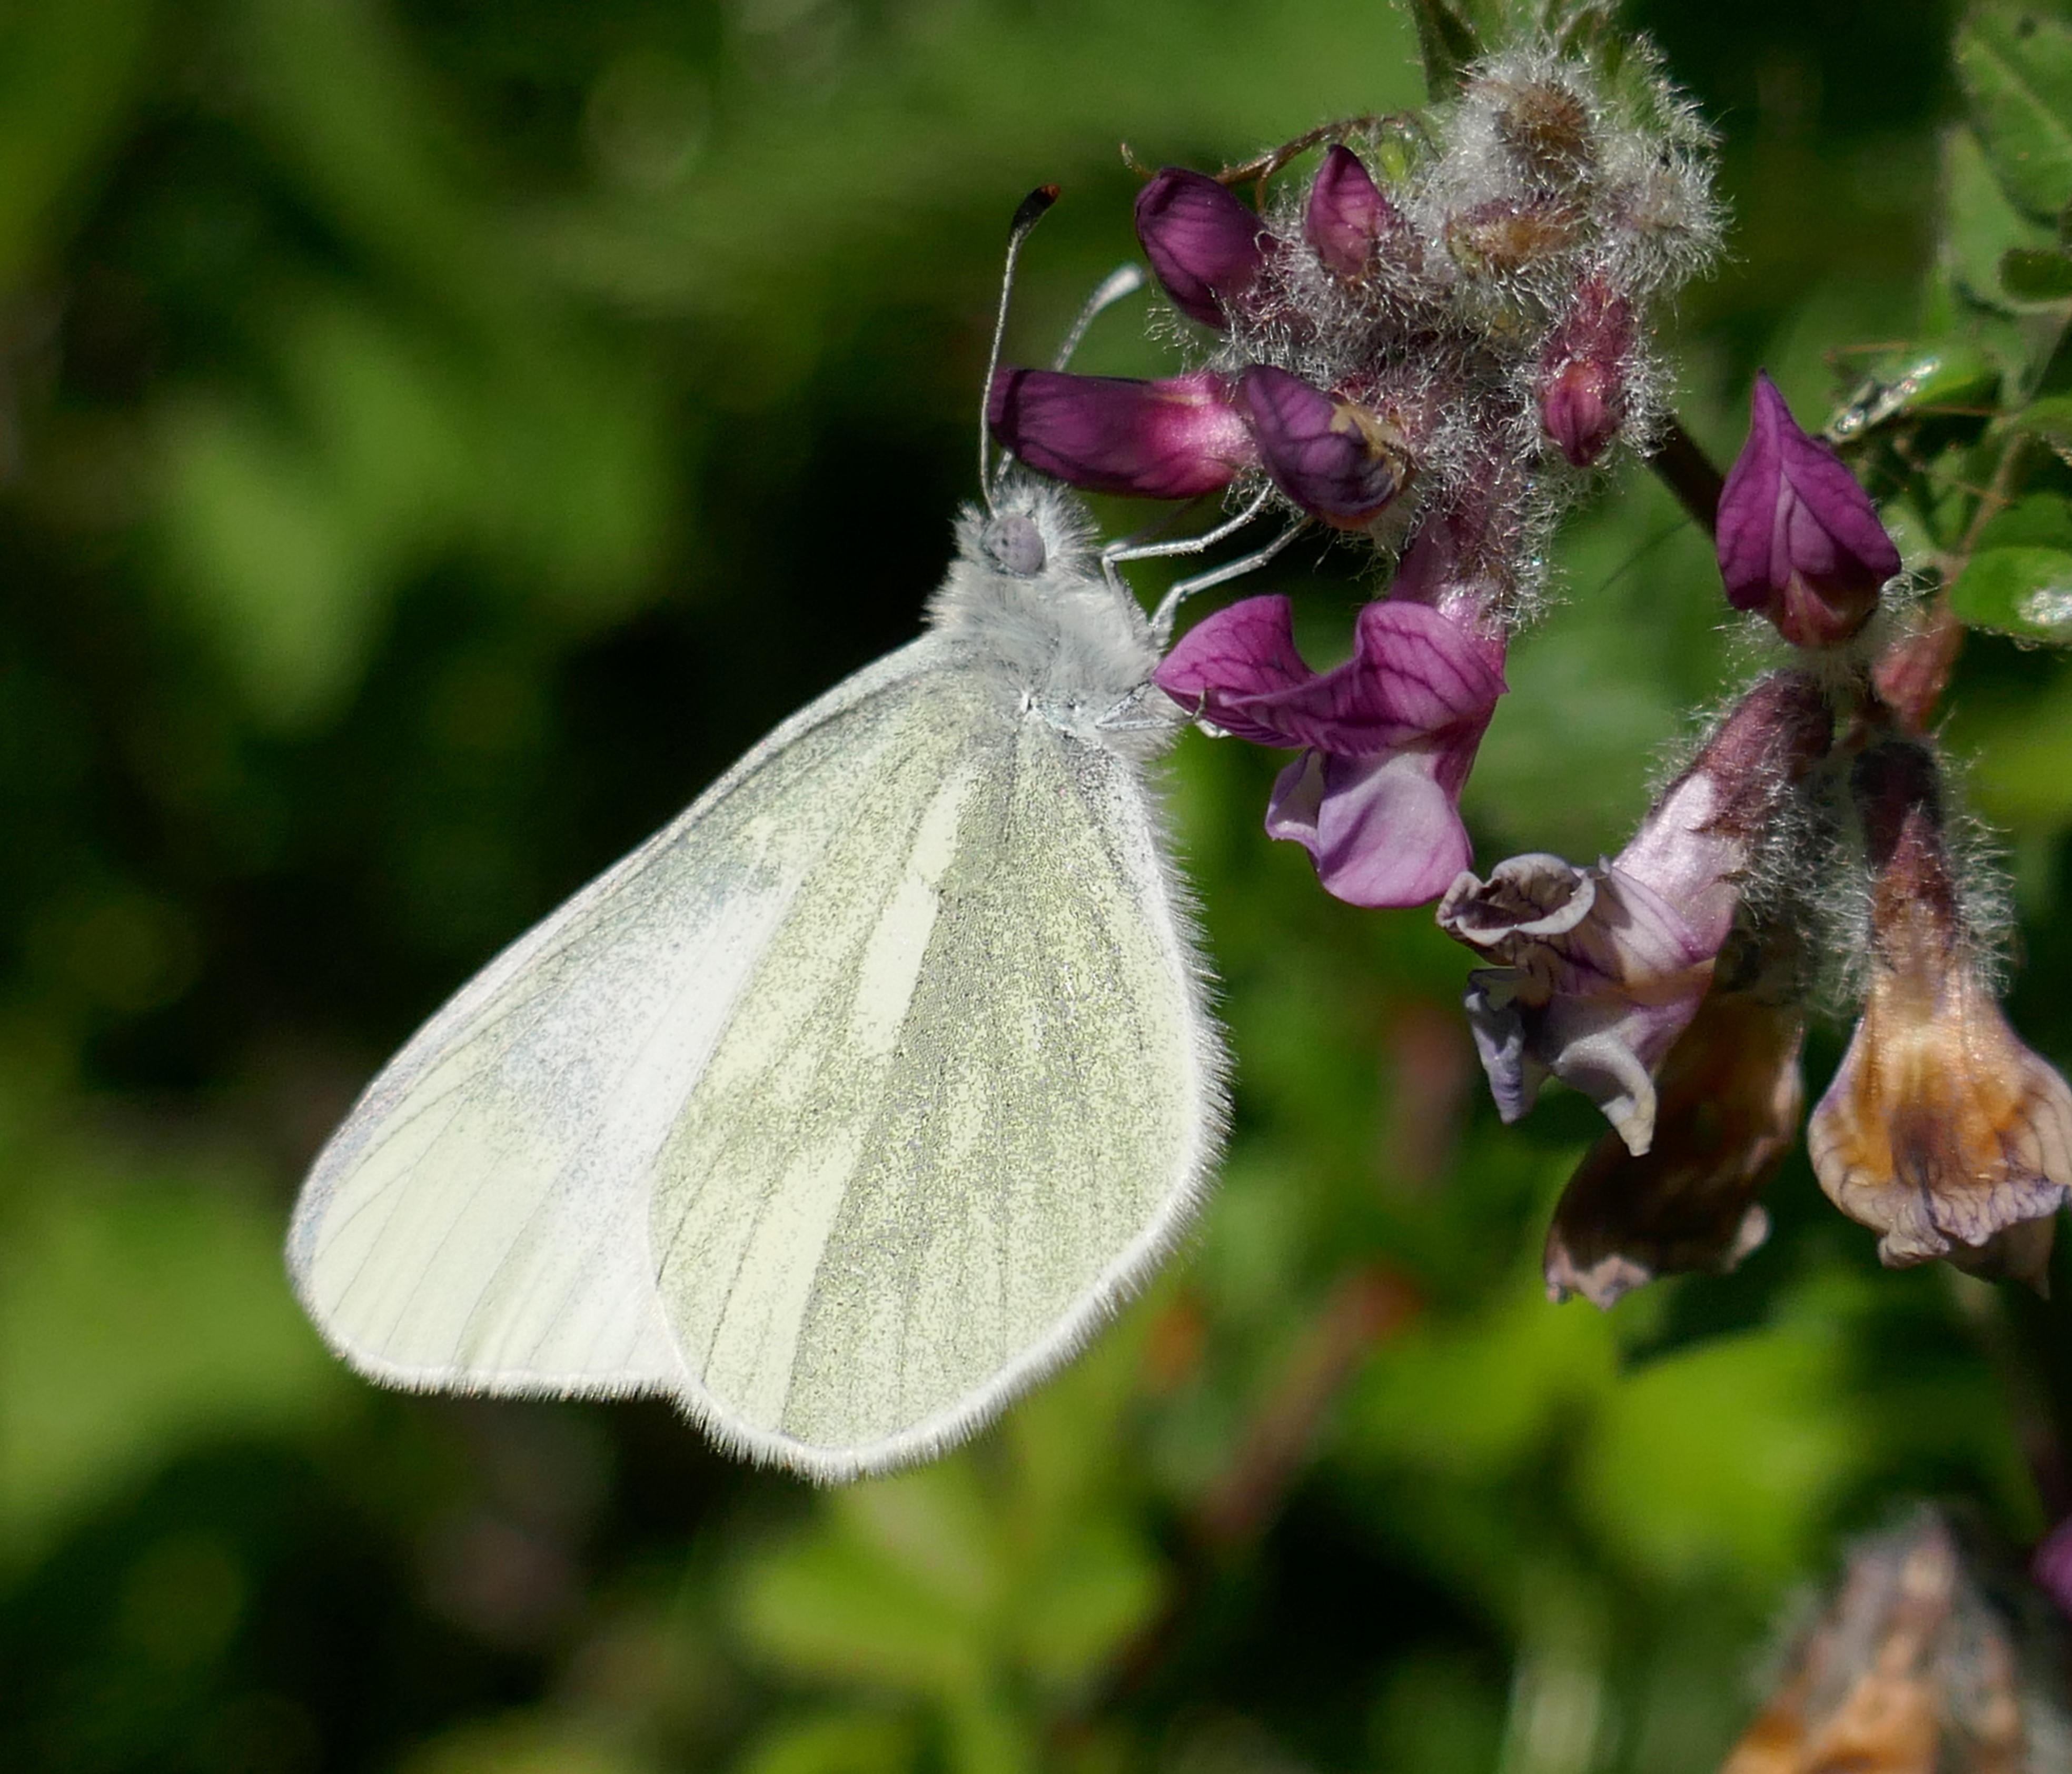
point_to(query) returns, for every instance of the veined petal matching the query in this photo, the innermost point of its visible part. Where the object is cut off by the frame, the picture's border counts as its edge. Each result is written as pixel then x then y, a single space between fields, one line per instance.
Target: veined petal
pixel 1333 457
pixel 1232 657
pixel 1797 538
pixel 1172 439
pixel 1383 831
pixel 1347 216
pixel 1207 247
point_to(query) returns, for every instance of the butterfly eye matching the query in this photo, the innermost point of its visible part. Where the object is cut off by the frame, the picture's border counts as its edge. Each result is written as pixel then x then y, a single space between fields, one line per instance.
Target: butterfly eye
pixel 1013 544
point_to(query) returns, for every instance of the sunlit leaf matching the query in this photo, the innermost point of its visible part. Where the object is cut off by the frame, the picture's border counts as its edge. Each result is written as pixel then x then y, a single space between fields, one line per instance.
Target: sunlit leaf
pixel 2015 64
pixel 2018 591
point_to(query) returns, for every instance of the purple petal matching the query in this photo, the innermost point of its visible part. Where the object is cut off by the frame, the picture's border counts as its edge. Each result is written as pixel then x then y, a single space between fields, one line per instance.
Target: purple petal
pixel 1389 829
pixel 1582 396
pixel 1332 457
pixel 1244 651
pixel 1172 439
pixel 1207 246
pixel 1413 673
pixel 1580 408
pixel 1347 215
pixel 1798 538
pixel 2052 1567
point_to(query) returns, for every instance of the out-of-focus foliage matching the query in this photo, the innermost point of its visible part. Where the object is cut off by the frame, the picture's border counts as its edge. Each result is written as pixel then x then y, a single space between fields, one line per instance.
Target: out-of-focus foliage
pixel 439 435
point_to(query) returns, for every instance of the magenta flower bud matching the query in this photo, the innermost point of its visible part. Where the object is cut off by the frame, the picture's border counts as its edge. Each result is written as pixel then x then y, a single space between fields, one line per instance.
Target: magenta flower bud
pixel 1172 439
pixel 1388 736
pixel 1582 390
pixel 1798 539
pixel 1347 218
pixel 1602 969
pixel 1335 458
pixel 1207 246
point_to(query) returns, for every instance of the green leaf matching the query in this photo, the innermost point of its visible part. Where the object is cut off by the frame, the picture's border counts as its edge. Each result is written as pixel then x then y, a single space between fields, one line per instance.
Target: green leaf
pixel 1446 42
pixel 1941 376
pixel 2021 592
pixel 2015 65
pixel 1087 1600
pixel 824 1607
pixel 2040 520
pixel 2050 418
pixel 2030 275
pixel 843 1743
pixel 1980 225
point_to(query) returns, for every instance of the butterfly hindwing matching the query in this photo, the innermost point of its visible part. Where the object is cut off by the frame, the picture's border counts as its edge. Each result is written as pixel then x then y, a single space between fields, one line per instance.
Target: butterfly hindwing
pixel 958 1111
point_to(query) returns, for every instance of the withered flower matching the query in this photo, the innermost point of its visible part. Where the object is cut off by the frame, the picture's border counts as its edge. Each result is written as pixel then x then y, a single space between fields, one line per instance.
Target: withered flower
pixel 1728 1101
pixel 1942 1131
pixel 1907 1672
pixel 1600 969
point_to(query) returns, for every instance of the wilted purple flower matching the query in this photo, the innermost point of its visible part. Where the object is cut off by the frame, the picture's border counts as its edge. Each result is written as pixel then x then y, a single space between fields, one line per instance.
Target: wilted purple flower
pixel 1207 246
pixel 1171 439
pixel 1388 737
pixel 1941 1131
pixel 1798 538
pixel 1727 1100
pixel 1334 458
pixel 1582 389
pixel 2051 1566
pixel 1347 217
pixel 1600 969
pixel 1908 1670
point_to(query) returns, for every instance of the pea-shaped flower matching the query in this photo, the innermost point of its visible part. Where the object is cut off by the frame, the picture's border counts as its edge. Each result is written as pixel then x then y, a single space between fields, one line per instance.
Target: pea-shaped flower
pixel 1388 738
pixel 1798 538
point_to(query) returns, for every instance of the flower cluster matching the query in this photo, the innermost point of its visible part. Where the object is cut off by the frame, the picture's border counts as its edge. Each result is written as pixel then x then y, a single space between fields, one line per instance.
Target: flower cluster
pixel 1426 346
pixel 1423 347
pixel 1670 983
pixel 1452 295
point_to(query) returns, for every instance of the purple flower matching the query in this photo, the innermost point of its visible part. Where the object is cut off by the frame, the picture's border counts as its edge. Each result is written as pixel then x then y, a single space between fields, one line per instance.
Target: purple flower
pixel 1942 1131
pixel 1207 246
pixel 1334 458
pixel 1582 391
pixel 1388 738
pixel 1347 217
pixel 1170 439
pixel 1798 538
pixel 1600 969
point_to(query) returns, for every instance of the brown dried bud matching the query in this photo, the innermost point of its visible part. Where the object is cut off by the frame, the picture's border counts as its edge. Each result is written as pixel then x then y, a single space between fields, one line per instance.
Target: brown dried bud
pixel 1908 1672
pixel 1942 1131
pixel 1728 1101
pixel 1547 127
pixel 1501 238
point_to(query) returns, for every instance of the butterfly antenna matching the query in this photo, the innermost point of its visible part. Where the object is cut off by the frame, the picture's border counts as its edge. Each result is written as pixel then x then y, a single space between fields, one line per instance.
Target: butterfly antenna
pixel 1035 207
pixel 1123 281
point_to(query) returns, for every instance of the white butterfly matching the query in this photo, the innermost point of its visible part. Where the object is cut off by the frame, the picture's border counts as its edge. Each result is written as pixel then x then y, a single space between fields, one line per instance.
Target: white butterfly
pixel 846 1107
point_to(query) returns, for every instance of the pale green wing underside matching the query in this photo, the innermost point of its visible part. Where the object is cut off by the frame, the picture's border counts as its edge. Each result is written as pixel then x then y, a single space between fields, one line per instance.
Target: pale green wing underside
pixel 886 1059
pixel 480 1220
pixel 962 1105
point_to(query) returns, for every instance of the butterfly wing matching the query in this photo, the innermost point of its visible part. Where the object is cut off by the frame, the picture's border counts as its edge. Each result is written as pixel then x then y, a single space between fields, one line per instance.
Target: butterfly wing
pixel 480 1220
pixel 961 1108
pixel 842 1110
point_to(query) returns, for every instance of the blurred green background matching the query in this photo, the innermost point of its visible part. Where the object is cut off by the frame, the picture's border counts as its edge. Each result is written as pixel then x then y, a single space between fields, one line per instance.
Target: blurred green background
pixel 436 437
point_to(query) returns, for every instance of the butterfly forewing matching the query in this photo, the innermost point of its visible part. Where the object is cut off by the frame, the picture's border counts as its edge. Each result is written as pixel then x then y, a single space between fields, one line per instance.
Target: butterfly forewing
pixel 481 1218
pixel 959 1107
